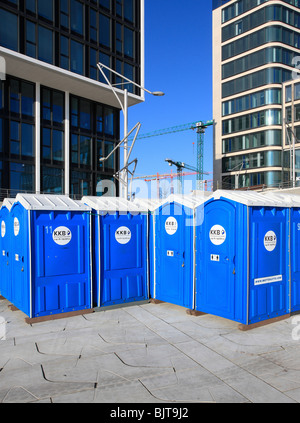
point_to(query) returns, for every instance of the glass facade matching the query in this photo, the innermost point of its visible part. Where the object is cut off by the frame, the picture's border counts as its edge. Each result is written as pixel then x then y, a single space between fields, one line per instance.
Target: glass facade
pixel 251 121
pixel 17 135
pixel 253 160
pixel 257 79
pixel 94 133
pixel 244 50
pixel 257 59
pixel 274 33
pixel 271 137
pixel 268 178
pixel 260 17
pixel 52 140
pixel 241 6
pixel 252 101
pixel 75 34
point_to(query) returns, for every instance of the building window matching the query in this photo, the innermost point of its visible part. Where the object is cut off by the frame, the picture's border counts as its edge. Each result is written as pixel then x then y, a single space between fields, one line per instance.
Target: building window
pixel 81 184
pixel 252 161
pixel 9 30
pixel 17 135
pixel 257 59
pixel 30 39
pixel 52 180
pixel 64 14
pixel 296 92
pixel 128 10
pixel 105 31
pixel 17 125
pixel 288 94
pixel 77 17
pixel 21 178
pixel 1 181
pixel 45 45
pixel 64 53
pixel 94 133
pixel 105 4
pixel 106 60
pixel 52 140
pixel 52 107
pixel 252 121
pixel 251 101
pixel 271 137
pixel 255 80
pixel 77 57
pixel 93 26
pixel 288 114
pixel 31 6
pixel 45 9
pixel 52 145
pixel 74 34
pixel 297 113
pixel 1 137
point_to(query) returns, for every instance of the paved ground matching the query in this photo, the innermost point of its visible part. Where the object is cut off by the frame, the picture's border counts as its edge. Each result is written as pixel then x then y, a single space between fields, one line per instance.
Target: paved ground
pixel 147 354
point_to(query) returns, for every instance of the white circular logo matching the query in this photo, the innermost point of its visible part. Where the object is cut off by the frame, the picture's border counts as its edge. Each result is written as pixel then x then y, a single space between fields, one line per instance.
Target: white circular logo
pixel 123 235
pixel 62 235
pixel 3 229
pixel 16 226
pixel 217 235
pixel 171 226
pixel 270 241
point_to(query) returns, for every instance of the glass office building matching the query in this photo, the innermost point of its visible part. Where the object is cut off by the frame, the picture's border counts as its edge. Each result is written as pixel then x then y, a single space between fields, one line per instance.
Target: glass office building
pixel 58 116
pixel 255 48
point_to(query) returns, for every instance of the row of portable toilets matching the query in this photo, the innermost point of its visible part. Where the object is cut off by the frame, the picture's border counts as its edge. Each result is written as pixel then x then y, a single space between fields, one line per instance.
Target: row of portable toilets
pixel 231 254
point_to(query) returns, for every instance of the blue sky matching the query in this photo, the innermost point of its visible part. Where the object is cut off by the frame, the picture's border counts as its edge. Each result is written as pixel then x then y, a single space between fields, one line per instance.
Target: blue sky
pixel 178 54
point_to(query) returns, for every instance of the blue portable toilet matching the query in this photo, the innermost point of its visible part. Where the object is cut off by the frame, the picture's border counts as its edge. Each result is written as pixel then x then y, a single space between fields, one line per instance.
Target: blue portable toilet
pixel 242 261
pixel 5 248
pixel 174 250
pixel 51 263
pixel 293 202
pixel 120 254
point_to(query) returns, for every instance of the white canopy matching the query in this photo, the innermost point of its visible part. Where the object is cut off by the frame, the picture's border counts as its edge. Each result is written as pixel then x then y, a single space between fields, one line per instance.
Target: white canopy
pixel 8 203
pixel 250 198
pixel 190 201
pixel 114 204
pixel 50 202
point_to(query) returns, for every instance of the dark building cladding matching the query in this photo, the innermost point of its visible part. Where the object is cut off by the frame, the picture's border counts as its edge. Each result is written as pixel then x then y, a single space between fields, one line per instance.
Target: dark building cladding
pixel 72 35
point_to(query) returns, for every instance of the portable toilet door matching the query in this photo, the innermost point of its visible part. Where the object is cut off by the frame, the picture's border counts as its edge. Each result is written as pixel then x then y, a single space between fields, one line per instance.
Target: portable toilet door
pixel 5 248
pixel 51 272
pixel 242 257
pixel 293 202
pixel 151 205
pixel 120 254
pixel 174 227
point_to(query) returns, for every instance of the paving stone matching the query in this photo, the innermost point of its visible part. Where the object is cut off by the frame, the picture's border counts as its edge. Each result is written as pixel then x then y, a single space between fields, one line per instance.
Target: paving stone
pixel 294 394
pixel 207 358
pixel 81 397
pixel 193 385
pixel 147 353
pixel 128 392
pixel 165 330
pixel 284 381
pixel 159 356
pixel 253 388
